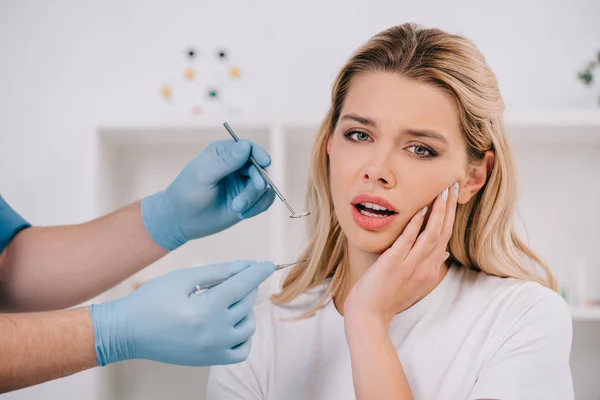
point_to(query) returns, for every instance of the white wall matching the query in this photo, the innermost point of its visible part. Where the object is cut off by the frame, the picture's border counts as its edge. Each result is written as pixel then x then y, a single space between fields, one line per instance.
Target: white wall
pixel 67 66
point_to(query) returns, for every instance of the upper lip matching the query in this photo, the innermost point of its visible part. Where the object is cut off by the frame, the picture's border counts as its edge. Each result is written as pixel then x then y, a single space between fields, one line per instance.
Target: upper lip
pixel 367 198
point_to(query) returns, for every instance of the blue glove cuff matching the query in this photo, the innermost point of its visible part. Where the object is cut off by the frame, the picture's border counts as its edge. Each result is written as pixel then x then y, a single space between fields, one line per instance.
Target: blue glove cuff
pixel 101 353
pixel 110 339
pixel 155 217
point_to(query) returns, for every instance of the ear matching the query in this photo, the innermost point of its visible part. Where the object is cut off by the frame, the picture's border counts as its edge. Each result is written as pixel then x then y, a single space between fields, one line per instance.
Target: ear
pixel 329 144
pixel 477 174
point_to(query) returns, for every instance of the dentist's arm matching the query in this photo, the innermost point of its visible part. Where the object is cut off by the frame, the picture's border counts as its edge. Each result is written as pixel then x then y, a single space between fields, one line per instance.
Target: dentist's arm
pixel 47 268
pixel 160 321
pixel 39 347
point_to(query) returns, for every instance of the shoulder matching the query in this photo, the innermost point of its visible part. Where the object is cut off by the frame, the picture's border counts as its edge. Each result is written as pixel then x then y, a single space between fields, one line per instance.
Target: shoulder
pixel 541 311
pixel 526 308
pixel 525 336
pixel 510 292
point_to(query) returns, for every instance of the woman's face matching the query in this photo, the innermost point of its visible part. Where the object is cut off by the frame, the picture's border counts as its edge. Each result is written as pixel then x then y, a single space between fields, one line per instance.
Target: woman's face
pixel 397 145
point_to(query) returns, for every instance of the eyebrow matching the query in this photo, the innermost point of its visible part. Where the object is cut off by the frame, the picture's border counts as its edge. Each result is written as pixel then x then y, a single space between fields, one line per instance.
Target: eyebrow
pixel 428 133
pixel 359 119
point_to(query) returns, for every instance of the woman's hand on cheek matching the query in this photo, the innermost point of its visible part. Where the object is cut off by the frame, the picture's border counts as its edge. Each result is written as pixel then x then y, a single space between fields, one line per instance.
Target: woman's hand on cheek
pixel 408 270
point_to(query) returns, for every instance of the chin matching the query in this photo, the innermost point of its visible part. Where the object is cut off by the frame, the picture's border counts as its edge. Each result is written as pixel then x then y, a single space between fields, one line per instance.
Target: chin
pixel 371 242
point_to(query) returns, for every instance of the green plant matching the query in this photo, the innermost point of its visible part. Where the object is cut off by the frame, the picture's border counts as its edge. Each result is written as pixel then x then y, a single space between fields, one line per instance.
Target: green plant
pixel 587 74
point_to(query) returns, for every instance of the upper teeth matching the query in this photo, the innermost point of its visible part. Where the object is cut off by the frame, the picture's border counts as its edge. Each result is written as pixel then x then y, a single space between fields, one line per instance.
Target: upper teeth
pixel 374 206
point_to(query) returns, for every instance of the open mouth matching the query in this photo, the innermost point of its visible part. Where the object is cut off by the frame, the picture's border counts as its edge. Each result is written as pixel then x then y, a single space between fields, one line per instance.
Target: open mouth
pixel 373 210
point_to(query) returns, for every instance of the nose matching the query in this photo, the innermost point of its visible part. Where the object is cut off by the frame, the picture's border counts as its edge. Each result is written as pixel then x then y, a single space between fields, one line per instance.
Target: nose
pixel 378 171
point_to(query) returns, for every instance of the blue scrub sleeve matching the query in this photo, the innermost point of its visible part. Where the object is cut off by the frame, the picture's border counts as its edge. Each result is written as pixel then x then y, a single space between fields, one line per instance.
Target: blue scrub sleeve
pixel 10 224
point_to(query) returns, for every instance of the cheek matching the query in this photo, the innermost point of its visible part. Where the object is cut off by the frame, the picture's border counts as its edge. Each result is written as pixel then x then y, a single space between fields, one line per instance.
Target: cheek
pixel 337 176
pixel 341 161
pixel 425 183
pixel 344 167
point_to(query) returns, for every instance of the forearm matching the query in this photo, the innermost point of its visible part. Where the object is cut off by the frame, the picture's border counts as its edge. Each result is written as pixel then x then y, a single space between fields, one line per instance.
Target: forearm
pixel 376 369
pixel 38 347
pixel 46 268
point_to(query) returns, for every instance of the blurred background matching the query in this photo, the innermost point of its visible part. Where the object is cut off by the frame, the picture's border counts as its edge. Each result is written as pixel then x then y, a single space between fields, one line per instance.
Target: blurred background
pixel 103 102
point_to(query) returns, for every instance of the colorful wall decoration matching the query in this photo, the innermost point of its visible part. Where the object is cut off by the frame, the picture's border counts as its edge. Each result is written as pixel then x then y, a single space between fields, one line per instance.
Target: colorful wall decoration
pixel 206 84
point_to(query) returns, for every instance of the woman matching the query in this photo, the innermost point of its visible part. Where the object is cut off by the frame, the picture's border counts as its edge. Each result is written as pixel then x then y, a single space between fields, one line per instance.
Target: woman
pixel 417 285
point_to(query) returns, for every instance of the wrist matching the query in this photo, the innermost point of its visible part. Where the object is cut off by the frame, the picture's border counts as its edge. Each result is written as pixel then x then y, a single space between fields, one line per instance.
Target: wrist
pixel 110 339
pixel 157 215
pixel 364 326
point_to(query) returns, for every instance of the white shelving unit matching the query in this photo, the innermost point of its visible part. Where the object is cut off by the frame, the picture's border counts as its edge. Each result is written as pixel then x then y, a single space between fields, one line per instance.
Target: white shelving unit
pixel 558 156
pixel 582 313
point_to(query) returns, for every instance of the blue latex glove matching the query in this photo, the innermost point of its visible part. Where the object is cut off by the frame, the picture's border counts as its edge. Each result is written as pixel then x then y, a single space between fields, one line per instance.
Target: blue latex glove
pixel 165 321
pixel 216 190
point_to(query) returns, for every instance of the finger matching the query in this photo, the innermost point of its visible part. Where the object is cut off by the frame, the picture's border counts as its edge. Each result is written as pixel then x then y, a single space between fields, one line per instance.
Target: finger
pixel 246 199
pixel 250 171
pixel 257 179
pixel 238 286
pixel 449 219
pixel 239 353
pixel 260 155
pixel 263 160
pixel 406 240
pixel 211 273
pixel 226 158
pixel 243 331
pixel 430 236
pixel 238 311
pixel 264 202
pixel 245 170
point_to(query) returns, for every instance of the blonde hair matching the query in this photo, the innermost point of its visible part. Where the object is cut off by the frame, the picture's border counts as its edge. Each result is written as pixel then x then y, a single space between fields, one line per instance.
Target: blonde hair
pixel 483 237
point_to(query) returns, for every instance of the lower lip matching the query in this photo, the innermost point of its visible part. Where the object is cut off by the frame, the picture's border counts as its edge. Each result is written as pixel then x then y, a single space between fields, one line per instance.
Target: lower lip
pixel 371 223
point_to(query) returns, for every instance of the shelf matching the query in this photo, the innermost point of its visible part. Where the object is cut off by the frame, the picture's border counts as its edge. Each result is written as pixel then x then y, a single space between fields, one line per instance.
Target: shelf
pixel 591 313
pixel 209 122
pixel 573 118
pixel 581 126
pixel 205 133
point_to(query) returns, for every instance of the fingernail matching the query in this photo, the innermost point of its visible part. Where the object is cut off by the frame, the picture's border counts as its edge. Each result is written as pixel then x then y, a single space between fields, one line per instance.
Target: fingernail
pixel 424 210
pixel 445 194
pixel 447 255
pixel 455 187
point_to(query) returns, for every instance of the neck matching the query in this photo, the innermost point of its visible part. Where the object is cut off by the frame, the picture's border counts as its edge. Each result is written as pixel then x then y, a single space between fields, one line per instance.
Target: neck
pixel 358 263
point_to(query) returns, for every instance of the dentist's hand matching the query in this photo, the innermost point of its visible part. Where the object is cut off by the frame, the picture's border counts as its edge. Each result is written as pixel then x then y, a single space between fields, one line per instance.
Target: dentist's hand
pixel 216 190
pixel 165 321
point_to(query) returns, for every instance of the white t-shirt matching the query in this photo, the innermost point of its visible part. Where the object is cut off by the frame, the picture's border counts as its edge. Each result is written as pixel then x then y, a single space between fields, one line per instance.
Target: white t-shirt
pixel 474 336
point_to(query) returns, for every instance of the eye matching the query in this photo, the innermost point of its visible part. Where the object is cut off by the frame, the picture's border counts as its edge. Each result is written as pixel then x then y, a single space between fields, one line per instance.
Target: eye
pixel 422 151
pixel 357 136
